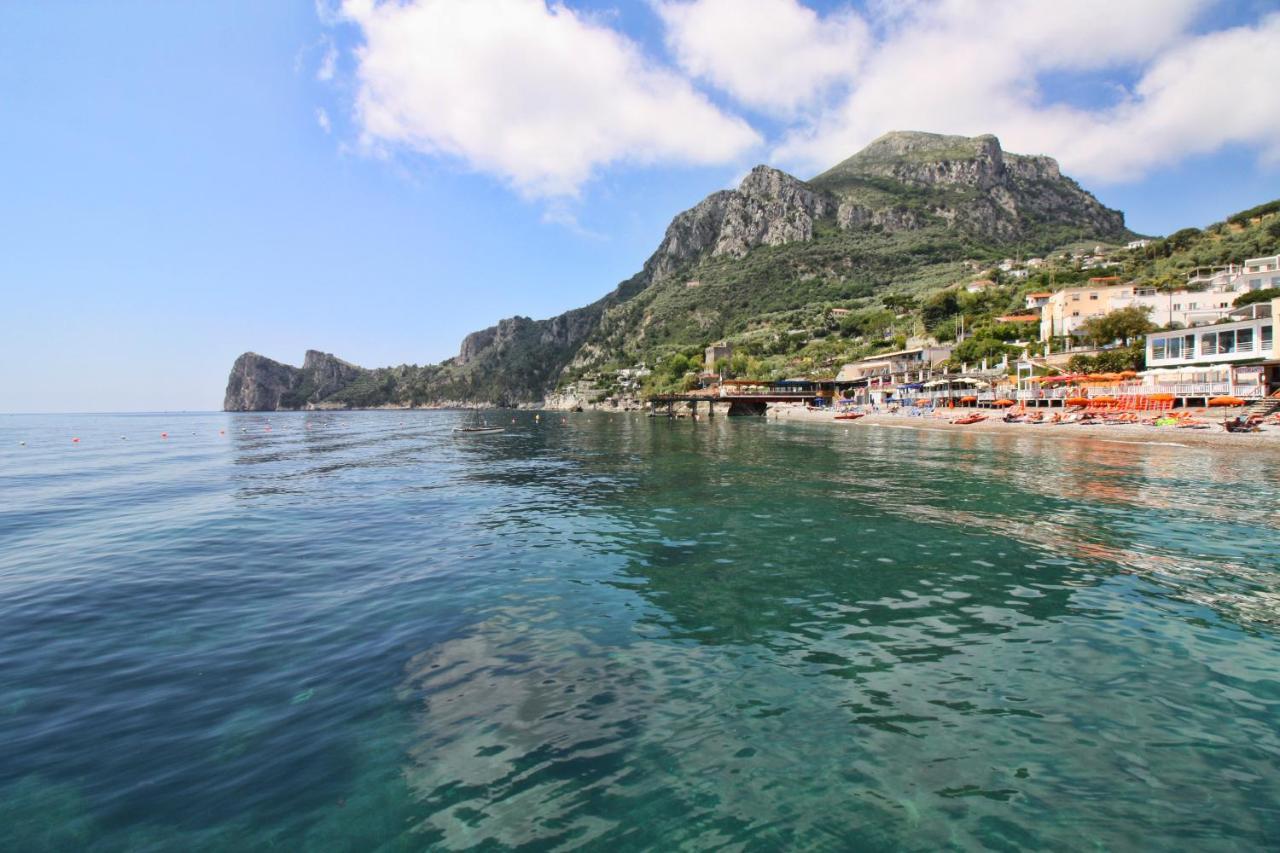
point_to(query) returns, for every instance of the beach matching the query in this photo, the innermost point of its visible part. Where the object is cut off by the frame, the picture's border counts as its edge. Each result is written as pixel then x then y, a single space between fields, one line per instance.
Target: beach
pixel 1138 433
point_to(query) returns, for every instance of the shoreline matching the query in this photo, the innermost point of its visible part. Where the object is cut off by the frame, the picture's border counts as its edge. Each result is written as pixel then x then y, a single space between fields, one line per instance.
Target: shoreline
pixel 1143 434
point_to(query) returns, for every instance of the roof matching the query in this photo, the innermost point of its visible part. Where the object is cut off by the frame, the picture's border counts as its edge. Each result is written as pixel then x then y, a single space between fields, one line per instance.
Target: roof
pixel 1040 293
pixel 1019 318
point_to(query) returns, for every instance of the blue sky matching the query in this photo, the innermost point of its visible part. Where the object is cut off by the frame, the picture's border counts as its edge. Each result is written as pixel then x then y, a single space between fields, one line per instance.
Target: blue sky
pixel 172 197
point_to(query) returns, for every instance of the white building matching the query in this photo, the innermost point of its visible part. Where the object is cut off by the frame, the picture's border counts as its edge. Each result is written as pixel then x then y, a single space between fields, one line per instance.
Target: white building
pixel 1215 292
pixel 1181 307
pixel 1137 244
pixel 1240 358
pixel 1259 274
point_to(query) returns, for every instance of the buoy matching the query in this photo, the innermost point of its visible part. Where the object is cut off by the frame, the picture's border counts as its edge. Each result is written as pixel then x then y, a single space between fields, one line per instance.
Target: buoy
pixel 75 441
pixel 124 438
pixel 268 429
pixel 164 435
pixel 22 444
pixel 222 432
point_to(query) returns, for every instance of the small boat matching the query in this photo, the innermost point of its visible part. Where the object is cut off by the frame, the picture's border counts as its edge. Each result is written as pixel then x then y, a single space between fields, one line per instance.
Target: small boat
pixel 849 416
pixel 971 419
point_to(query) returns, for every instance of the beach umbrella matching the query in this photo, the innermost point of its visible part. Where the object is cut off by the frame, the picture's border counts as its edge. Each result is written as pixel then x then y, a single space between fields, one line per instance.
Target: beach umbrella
pixel 1003 401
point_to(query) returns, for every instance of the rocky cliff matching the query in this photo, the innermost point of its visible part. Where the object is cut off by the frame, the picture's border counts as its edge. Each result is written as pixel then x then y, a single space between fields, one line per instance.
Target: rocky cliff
pixel 907 201
pixel 970 184
pixel 258 383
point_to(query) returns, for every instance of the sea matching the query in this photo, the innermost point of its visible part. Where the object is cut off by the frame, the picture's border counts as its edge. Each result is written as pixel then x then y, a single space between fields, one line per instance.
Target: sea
pixel 360 631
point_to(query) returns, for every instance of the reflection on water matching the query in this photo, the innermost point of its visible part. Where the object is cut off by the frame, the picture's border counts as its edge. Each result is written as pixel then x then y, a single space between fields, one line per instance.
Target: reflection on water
pixel 355 630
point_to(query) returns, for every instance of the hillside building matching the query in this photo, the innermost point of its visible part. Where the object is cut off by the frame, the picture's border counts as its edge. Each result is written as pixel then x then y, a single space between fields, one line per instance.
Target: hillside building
pixel 1240 358
pixel 1210 296
pixel 717 351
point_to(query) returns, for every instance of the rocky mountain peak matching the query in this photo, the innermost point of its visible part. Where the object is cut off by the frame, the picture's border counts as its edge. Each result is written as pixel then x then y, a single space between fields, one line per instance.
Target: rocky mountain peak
pixel 969 183
pixel 766 183
pixel 907 200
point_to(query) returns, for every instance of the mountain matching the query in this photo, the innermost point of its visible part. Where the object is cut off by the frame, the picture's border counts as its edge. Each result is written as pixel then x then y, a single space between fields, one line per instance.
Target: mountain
pixel 259 384
pixel 902 214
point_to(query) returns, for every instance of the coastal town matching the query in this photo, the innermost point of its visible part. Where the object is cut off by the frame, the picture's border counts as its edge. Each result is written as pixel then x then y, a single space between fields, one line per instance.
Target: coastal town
pixel 1210 356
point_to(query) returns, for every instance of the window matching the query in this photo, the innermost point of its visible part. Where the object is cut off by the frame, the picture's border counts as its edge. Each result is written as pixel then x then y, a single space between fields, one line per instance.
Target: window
pixel 1209 343
pixel 1188 346
pixel 1244 340
pixel 1265 337
pixel 1173 347
pixel 1075 313
pixel 1177 306
pixel 1255 284
pixel 1226 342
pixel 1157 349
pixel 1075 297
pixel 1191 306
pixel 1093 296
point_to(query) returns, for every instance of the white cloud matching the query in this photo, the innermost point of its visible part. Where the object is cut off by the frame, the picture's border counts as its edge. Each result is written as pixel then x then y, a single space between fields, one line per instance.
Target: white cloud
pixel 559 213
pixel 328 62
pixel 322 119
pixel 776 55
pixel 537 95
pixel 968 66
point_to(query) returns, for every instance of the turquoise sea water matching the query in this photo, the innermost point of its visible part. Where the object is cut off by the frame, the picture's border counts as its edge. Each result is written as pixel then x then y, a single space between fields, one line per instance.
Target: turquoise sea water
pixel 354 631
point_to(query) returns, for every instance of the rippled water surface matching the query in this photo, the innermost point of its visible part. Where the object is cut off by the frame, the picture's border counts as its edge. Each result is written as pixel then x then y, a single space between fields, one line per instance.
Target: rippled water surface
pixel 354 631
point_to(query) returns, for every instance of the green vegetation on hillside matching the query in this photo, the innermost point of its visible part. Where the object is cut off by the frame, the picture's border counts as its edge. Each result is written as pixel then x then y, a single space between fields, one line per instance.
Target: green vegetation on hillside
pixel 801 277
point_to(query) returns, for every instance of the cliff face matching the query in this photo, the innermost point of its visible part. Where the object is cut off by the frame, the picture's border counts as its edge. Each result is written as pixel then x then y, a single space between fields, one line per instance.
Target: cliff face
pixel 905 200
pixel 970 184
pixel 260 384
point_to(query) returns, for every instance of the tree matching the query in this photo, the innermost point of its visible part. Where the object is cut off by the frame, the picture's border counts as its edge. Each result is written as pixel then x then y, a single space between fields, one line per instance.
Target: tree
pixel 1123 325
pixel 899 303
pixel 975 350
pixel 869 322
pixel 1182 240
pixel 1264 295
pixel 677 366
pixel 938 308
pixel 1132 357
